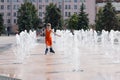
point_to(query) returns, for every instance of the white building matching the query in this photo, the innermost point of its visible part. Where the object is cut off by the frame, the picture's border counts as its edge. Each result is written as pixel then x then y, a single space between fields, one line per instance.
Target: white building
pixel 115 4
pixel 9 9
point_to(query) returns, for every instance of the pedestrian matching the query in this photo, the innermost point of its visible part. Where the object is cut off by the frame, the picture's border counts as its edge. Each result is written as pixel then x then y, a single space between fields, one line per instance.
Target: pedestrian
pixel 8 31
pixel 48 38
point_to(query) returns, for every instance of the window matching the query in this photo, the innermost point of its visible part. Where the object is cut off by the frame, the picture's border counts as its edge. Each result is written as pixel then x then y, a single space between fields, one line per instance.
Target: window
pixel 40 14
pixel 46 0
pixel 15 14
pixel 82 0
pixel 2 0
pixel 65 6
pixel 75 6
pixel 67 0
pixel 2 14
pixel 66 14
pixel 33 0
pixel 69 14
pixel 8 0
pixel 69 6
pixel 15 7
pixel 8 14
pixel 8 7
pixel 40 0
pixel 40 6
pixel 8 20
pixel 60 6
pixel 75 1
pixel 15 21
pixel 15 0
pixel 59 1
pixel 2 7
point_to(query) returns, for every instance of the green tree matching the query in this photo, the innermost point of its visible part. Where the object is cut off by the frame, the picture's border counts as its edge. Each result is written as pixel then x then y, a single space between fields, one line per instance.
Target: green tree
pixel 118 17
pixel 99 21
pixel 73 23
pixel 37 23
pixel 1 24
pixel 60 24
pixel 83 20
pixel 65 24
pixel 27 17
pixel 110 20
pixel 53 15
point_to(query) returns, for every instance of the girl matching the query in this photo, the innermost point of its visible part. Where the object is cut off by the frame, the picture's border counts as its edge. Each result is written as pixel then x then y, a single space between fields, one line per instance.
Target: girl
pixel 48 38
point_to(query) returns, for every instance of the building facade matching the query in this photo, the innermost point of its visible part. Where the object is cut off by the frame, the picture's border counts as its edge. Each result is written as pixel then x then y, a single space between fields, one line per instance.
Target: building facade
pixel 9 8
pixel 101 4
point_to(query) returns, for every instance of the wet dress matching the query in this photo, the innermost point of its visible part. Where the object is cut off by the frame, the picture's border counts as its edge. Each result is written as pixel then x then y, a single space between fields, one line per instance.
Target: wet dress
pixel 48 37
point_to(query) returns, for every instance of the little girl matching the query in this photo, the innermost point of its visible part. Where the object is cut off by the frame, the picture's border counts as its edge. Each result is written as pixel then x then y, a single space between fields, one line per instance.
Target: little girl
pixel 48 38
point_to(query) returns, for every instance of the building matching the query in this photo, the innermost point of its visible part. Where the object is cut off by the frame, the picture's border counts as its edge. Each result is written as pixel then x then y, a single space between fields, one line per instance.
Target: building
pixel 101 1
pixel 115 3
pixel 9 8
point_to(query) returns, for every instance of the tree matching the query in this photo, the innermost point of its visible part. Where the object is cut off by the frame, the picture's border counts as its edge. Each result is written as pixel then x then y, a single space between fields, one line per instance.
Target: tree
pixel 110 20
pixel 118 17
pixel 52 15
pixel 65 24
pixel 99 21
pixel 37 23
pixel 27 17
pixel 83 20
pixel 1 24
pixel 73 23
pixel 60 24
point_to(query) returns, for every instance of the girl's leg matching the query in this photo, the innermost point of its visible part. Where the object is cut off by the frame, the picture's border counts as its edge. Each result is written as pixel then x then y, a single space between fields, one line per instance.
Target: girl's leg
pixel 51 49
pixel 46 50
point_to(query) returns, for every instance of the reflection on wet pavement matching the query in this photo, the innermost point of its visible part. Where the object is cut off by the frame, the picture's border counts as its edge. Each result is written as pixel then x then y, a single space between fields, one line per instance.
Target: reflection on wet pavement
pixel 93 66
pixel 7 78
pixel 4 47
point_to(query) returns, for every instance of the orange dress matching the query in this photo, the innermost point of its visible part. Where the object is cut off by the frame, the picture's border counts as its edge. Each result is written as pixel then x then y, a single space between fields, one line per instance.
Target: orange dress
pixel 48 38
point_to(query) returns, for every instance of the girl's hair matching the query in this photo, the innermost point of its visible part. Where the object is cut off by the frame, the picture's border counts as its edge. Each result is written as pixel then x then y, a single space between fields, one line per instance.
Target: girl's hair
pixel 48 24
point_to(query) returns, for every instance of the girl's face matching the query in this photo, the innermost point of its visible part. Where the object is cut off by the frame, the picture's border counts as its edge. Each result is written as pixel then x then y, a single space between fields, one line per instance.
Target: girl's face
pixel 49 27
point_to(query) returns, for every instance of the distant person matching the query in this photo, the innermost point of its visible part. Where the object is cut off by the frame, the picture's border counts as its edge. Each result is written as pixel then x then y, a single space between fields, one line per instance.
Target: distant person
pixel 8 31
pixel 48 38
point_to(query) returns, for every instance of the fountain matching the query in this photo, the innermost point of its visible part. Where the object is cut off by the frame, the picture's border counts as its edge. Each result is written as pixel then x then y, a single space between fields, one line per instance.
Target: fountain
pixel 24 42
pixel 106 43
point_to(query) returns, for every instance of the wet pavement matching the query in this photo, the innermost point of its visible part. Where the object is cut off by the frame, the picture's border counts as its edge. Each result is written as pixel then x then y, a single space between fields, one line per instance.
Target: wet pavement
pixel 6 42
pixel 94 65
pixel 7 78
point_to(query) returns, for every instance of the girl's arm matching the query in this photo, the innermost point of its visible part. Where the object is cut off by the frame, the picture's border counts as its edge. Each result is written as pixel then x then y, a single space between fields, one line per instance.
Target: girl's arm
pixel 56 34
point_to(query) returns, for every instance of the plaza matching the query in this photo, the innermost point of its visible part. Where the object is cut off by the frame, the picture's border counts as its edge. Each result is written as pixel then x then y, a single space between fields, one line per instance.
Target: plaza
pixel 93 64
pixel 85 48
